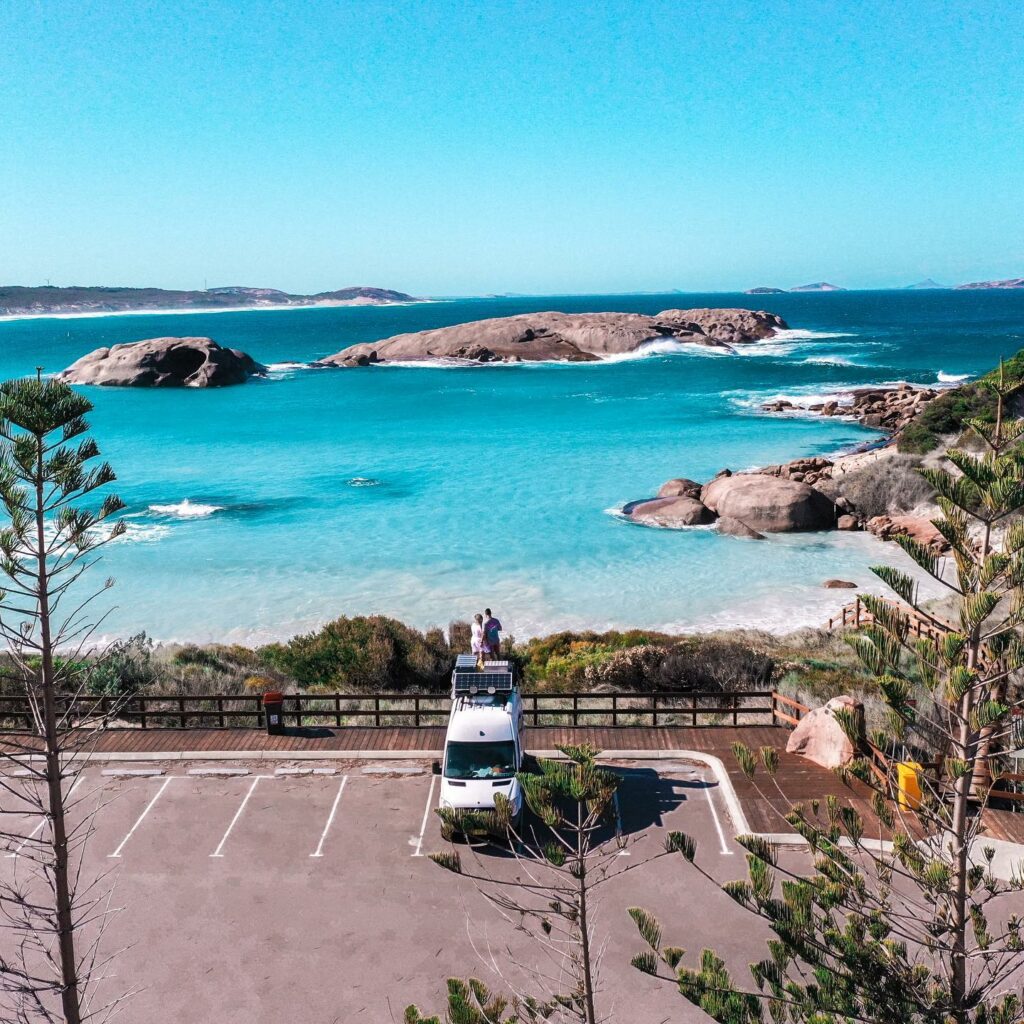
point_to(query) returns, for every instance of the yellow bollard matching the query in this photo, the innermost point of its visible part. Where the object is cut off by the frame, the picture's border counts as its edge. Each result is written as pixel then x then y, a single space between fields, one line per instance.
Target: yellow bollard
pixel 908 782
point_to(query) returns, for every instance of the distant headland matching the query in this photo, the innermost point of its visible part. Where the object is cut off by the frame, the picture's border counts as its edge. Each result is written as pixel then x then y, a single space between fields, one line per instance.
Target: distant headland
pixel 926 285
pixel 16 300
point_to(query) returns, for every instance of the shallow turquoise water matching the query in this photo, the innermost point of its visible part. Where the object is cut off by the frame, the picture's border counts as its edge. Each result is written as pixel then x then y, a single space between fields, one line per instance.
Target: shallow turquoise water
pixel 426 493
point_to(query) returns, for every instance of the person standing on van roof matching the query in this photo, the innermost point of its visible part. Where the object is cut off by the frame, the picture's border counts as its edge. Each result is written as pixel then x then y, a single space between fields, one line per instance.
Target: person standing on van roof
pixel 492 634
pixel 480 647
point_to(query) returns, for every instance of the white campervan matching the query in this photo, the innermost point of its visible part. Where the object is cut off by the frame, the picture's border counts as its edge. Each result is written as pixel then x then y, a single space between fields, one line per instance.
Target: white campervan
pixel 483 747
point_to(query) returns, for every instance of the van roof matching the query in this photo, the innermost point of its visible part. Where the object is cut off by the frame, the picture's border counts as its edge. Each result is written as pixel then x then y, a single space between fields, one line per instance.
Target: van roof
pixel 479 723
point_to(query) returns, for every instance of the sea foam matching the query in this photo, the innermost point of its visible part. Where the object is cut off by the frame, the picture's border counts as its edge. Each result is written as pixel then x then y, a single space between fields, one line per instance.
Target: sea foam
pixel 186 510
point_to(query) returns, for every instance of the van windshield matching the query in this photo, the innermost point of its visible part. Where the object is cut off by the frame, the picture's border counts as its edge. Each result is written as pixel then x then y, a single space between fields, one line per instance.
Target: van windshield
pixel 480 760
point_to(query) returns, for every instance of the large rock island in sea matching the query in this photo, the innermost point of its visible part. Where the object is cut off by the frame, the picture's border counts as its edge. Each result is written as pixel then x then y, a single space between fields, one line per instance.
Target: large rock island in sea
pixel 568 337
pixel 164 363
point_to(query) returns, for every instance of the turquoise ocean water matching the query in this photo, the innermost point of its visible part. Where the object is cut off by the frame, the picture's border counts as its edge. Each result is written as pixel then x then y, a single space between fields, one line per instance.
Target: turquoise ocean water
pixel 426 493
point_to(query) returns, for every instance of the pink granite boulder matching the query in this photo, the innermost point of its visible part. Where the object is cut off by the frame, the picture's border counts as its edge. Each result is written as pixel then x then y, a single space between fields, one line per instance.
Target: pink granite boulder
pixel 821 738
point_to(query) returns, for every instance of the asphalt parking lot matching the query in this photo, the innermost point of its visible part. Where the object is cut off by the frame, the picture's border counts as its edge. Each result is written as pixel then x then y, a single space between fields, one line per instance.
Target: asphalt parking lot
pixel 309 897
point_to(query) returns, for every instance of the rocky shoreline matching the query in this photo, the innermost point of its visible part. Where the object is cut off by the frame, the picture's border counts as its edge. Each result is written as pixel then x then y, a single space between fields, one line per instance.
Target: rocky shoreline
pixel 803 494
pixel 888 408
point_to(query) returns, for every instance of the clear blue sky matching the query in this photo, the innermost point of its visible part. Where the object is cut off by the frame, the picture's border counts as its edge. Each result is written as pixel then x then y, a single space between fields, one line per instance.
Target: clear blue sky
pixel 456 148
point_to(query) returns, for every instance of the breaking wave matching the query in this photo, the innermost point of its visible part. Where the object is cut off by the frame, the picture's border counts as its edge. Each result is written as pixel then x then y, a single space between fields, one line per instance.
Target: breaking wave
pixel 951 378
pixel 363 481
pixel 798 334
pixel 186 510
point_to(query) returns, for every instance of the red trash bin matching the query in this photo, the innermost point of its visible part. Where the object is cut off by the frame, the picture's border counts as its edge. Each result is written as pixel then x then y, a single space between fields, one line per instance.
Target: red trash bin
pixel 273 711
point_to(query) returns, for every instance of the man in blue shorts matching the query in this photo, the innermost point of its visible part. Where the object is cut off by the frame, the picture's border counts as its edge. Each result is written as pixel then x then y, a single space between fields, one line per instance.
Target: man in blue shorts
pixel 492 634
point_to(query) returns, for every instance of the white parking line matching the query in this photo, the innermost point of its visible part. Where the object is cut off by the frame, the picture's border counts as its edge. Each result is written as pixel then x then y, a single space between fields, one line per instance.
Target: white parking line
pixel 238 814
pixel 426 814
pixel 138 821
pixel 17 850
pixel 330 818
pixel 618 823
pixel 726 852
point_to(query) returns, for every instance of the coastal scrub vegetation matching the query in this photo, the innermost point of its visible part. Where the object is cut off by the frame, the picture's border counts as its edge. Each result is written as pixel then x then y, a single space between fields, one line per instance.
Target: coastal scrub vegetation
pixel 904 919
pixel 951 413
pixel 383 655
pixel 885 486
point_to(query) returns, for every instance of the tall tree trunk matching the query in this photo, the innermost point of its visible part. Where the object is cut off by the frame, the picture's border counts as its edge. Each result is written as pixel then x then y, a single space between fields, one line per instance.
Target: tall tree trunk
pixel 51 739
pixel 588 974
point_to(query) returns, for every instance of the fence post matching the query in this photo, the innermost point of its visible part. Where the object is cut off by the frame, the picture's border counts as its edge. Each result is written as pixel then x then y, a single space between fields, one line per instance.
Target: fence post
pixel 615 709
pixel 416 711
pixel 856 615
pixel 535 698
pixel 575 709
pixel 376 711
pixel 693 710
pixel 298 710
pixel 181 712
pixel 220 711
pixel 654 710
pixel 142 711
pixel 735 709
pixel 337 711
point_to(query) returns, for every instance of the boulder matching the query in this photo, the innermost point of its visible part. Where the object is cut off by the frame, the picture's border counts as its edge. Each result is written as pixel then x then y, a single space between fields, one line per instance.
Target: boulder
pixel 820 738
pixel 916 527
pixel 839 585
pixel 671 512
pixel 566 337
pixel 680 487
pixel 734 528
pixel 732 326
pixel 769 504
pixel 847 522
pixel 164 363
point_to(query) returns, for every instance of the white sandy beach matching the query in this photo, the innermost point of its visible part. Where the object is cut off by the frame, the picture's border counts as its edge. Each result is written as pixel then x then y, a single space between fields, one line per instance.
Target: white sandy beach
pixel 92 314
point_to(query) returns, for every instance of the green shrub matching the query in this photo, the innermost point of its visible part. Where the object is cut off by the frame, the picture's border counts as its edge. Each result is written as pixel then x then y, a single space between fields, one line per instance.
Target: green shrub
pixel 203 657
pixel 949 413
pixel 365 653
pixel 642 660
pixel 126 668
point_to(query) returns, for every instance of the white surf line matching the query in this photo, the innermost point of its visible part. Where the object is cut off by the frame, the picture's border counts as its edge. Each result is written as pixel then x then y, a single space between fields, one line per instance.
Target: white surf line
pixel 726 852
pixel 618 823
pixel 330 818
pixel 138 821
pixel 426 814
pixel 234 820
pixel 17 850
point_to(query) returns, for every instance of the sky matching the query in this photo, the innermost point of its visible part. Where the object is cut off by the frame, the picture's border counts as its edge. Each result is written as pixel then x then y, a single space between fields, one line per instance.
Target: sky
pixel 540 147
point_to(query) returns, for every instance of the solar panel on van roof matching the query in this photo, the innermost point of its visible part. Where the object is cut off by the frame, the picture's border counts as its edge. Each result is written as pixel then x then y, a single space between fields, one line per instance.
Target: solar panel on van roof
pixel 482 682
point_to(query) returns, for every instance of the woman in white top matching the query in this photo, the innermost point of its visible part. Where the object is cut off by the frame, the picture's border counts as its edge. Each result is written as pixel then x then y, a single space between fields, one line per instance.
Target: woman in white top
pixel 480 647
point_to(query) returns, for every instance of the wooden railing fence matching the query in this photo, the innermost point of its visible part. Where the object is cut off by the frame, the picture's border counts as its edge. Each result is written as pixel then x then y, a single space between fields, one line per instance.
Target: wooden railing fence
pixel 222 711
pixel 855 614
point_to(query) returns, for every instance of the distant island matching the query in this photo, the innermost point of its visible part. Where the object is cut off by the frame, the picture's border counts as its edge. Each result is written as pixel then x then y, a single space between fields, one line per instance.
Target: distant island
pixel 927 285
pixel 16 300
pixel 818 286
pixel 1009 282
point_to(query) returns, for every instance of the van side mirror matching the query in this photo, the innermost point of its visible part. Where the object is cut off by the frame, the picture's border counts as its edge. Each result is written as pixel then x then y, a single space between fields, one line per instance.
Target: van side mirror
pixel 435 768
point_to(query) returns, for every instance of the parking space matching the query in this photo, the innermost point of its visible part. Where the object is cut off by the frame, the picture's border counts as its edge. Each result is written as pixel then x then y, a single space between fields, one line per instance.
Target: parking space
pixel 248 894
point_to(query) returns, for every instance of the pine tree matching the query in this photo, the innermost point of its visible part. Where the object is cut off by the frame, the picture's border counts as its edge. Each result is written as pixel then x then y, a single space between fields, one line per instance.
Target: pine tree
pixel 568 855
pixel 45 549
pixel 913 928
